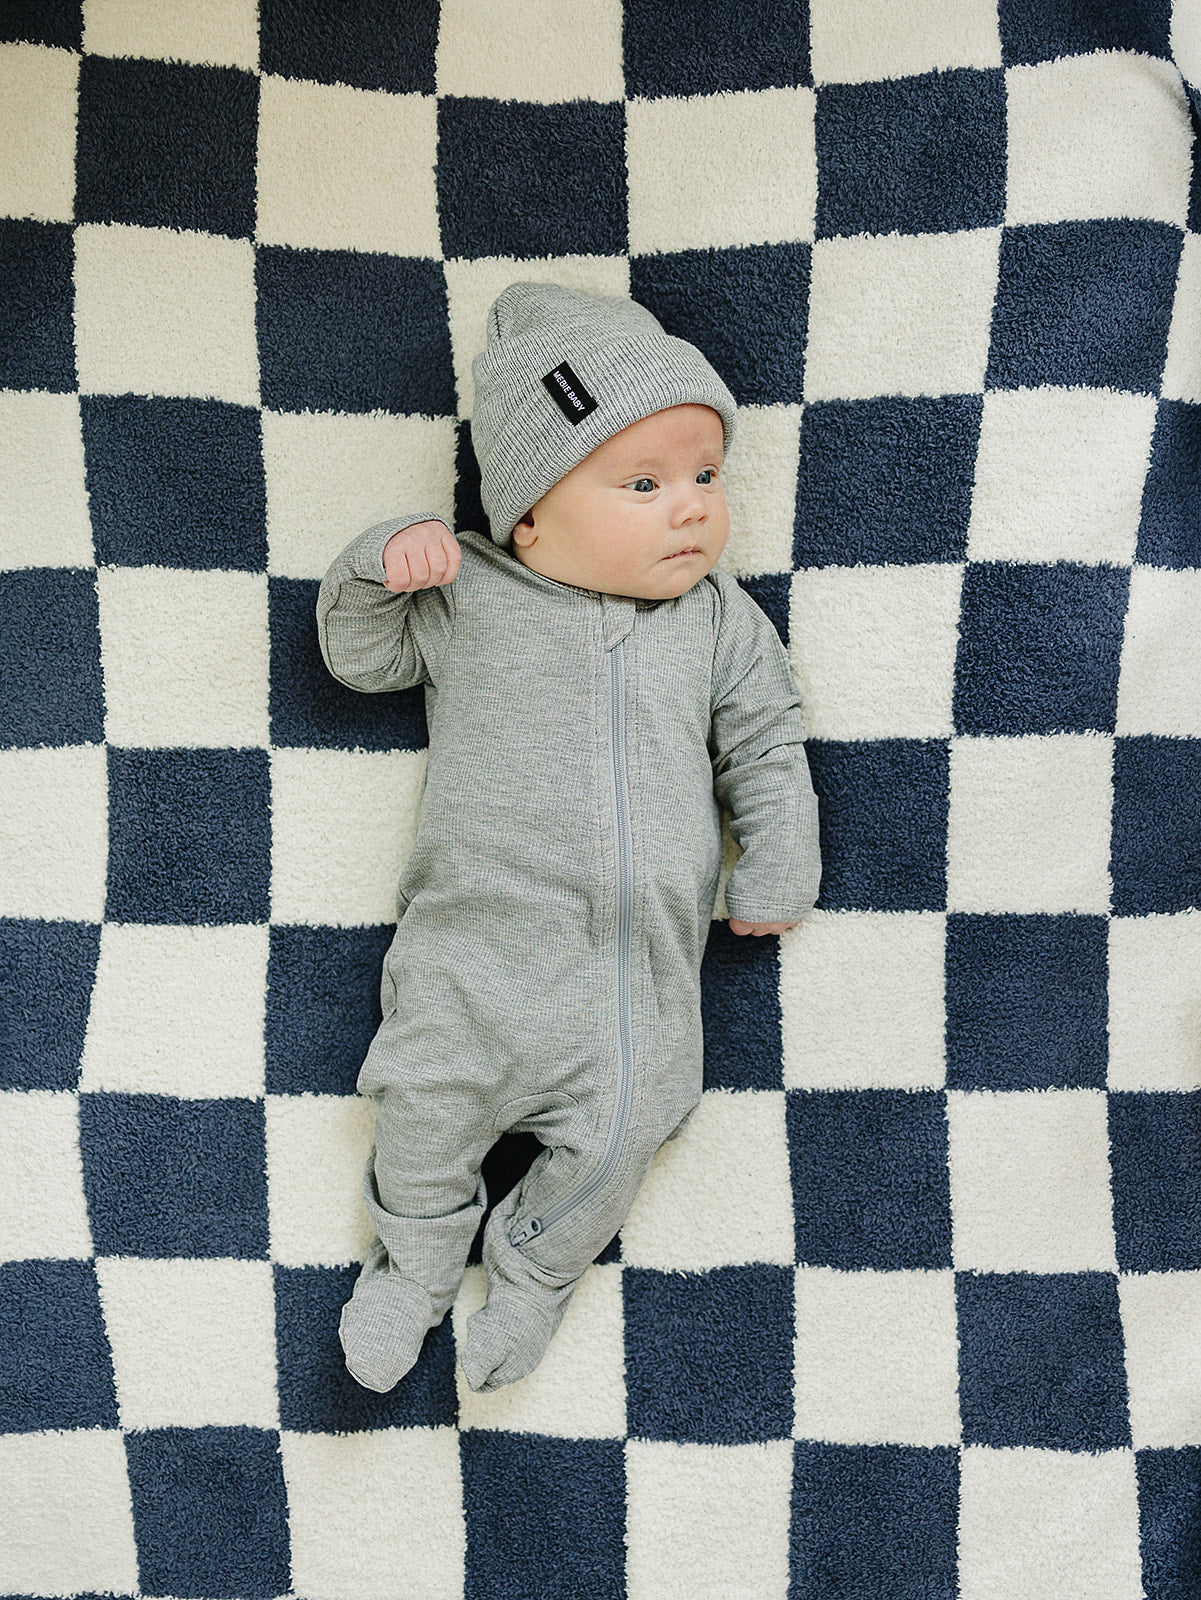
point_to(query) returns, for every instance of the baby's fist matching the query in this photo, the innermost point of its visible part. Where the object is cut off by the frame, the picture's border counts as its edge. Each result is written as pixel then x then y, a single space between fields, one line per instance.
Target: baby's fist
pixel 421 556
pixel 759 928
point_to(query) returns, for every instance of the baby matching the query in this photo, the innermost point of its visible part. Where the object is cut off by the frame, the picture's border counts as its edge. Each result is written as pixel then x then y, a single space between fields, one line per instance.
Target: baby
pixel 595 690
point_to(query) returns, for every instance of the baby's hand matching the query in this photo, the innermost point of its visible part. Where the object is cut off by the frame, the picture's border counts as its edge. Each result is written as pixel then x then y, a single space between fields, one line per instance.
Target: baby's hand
pixel 421 556
pixel 738 926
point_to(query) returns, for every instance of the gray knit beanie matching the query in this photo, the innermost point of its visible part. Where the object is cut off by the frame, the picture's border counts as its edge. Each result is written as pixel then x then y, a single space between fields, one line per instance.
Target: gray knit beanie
pixel 561 373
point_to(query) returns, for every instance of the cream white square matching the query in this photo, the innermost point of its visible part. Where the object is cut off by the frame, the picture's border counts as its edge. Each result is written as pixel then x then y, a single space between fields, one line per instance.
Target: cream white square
pixel 863 1000
pixel 1159 685
pixel 760 476
pixel 185 657
pixel 38 106
pixel 714 171
pixel 853 41
pixel 1053 793
pixel 707 1522
pixel 342 825
pixel 329 477
pixel 193 1342
pixel 219 33
pixel 44 520
pixel 1182 368
pixel 877 1357
pixel 1048 1525
pixel 538 51
pixel 43 1213
pixel 900 314
pixel 1059 475
pixel 873 649
pixel 1100 135
pixel 376 1515
pixel 1029 1175
pixel 472 286
pixel 578 1389
pixel 1161 1330
pixel 68 1518
pixel 47 799
pixel 719 1194
pixel 177 1011
pixel 1155 1002
pixel 161 312
pixel 317 1147
pixel 347 169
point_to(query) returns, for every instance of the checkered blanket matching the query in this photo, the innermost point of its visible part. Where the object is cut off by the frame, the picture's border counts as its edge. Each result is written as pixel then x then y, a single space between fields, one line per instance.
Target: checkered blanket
pixel 913 1309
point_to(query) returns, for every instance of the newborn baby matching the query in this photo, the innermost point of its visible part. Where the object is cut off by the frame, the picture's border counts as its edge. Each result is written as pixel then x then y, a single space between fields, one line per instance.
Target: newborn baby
pixel 594 692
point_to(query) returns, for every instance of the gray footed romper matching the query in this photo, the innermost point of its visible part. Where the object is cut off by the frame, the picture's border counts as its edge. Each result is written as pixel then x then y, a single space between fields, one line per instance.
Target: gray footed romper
pixel 545 971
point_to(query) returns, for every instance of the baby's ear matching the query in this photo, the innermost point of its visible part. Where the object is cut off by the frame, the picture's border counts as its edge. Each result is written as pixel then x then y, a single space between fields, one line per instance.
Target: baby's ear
pixel 523 531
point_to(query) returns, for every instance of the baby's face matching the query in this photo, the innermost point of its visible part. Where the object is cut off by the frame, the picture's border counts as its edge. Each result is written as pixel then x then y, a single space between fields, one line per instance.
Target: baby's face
pixel 644 515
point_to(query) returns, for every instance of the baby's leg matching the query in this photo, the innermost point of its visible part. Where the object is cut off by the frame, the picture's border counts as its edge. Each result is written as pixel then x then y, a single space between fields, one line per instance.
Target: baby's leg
pixel 424 1193
pixel 529 1286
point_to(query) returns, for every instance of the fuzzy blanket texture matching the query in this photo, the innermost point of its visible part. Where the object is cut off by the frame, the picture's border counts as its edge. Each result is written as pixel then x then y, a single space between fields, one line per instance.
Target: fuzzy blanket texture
pixel 913 1308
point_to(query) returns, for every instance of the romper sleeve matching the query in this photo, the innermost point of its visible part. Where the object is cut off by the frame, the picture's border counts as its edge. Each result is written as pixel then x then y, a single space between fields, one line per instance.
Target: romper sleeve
pixel 760 770
pixel 372 639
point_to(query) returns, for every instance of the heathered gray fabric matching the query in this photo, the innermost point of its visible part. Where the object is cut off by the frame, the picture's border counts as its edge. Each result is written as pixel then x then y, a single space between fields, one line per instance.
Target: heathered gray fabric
pixel 499 988
pixel 621 355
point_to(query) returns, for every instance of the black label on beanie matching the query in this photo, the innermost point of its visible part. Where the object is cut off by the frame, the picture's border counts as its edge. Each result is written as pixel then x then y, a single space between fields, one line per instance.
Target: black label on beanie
pixel 569 394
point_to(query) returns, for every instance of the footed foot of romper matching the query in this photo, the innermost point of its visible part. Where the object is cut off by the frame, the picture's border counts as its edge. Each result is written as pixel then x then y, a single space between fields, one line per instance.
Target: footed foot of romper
pixel 508 1337
pixel 382 1329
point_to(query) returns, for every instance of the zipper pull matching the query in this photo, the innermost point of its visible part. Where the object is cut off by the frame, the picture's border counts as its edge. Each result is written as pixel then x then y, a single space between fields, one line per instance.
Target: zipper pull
pixel 528 1230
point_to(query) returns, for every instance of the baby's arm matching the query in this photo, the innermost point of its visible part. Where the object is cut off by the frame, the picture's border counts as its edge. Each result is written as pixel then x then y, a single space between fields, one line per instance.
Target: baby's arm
pixel 385 610
pixel 761 773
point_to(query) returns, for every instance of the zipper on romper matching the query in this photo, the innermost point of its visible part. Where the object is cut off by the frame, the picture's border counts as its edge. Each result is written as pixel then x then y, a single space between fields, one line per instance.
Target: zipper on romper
pixel 623 853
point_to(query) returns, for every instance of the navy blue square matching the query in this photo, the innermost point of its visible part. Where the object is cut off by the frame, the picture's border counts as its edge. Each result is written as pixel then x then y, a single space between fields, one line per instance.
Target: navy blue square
pixel 340 331
pixel 1169 1513
pixel 1194 193
pixel 167 1177
pixel 1038 30
pixel 210 1511
pixel 189 836
pixel 1169 533
pixel 318 1395
pixel 469 509
pixel 1041 1361
pixel 911 155
pixel 1155 837
pixel 53 22
pixel 58 1372
pixel 37 305
pixel 1039 647
pixel 369 44
pixel 1154 1141
pixel 746 310
pixel 771 592
pixel 175 483
pixel 886 481
pixel 166 145
pixel 869 1178
pixel 50 658
pixel 309 707
pixel 46 975
pixel 1027 1002
pixel 519 179
pixel 758 44
pixel 1084 303
pixel 545 1517
pixel 709 1354
pixel 877 1522
pixel 882 808
pixel 740 1010
pixel 322 1006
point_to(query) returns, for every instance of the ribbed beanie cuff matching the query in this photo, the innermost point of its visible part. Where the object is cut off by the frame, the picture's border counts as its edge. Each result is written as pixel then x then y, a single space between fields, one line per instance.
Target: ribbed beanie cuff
pixel 561 373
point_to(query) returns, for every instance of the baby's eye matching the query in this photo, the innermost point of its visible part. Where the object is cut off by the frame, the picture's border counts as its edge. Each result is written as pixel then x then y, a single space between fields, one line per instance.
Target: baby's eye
pixel 708 473
pixel 634 482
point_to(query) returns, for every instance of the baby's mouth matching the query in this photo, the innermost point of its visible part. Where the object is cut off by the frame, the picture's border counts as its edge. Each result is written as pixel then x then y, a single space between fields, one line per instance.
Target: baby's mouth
pixel 692 550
